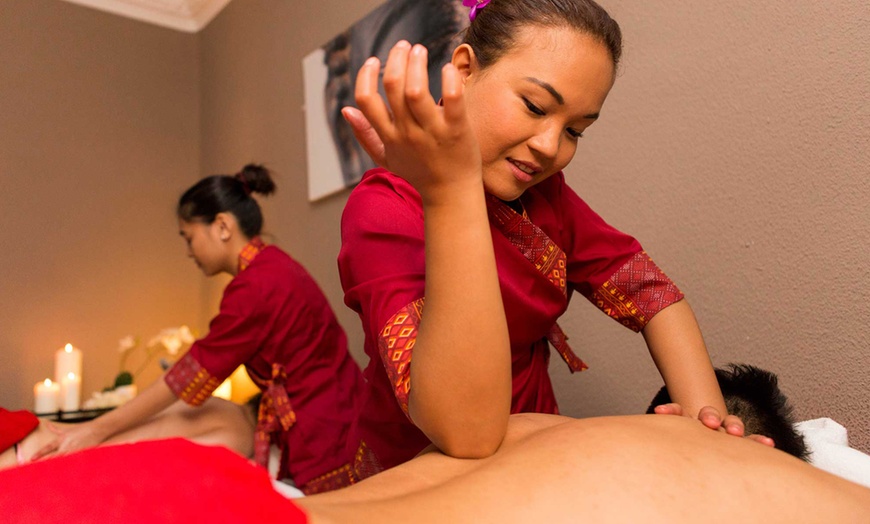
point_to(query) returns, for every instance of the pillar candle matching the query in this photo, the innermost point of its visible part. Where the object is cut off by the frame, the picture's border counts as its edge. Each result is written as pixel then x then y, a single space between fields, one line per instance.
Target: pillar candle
pixel 45 396
pixel 70 392
pixel 67 359
pixel 224 391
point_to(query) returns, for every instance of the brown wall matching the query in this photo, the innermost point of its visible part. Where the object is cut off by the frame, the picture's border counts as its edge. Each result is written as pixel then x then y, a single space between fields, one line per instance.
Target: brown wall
pixel 99 132
pixel 732 146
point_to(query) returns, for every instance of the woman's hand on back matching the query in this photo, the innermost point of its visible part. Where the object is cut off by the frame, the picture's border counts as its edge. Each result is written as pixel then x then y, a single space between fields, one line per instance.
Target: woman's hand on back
pixel 433 147
pixel 71 438
pixel 710 417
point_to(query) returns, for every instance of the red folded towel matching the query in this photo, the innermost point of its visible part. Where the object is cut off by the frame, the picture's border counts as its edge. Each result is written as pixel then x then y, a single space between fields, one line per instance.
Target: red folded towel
pixel 164 481
pixel 14 426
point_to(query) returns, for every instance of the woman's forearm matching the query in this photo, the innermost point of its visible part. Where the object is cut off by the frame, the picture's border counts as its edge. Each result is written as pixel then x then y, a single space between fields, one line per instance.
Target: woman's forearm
pixel 152 400
pixel 677 347
pixel 461 371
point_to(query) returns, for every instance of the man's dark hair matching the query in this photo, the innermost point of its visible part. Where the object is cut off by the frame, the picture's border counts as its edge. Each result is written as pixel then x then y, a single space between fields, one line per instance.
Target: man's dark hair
pixel 753 395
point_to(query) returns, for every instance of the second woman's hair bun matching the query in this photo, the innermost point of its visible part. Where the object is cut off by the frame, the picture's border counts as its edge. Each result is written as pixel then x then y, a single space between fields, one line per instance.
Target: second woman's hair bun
pixel 256 179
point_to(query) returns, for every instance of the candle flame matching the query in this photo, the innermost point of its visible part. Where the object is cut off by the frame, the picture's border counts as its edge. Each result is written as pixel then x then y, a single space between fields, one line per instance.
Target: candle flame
pixel 71 375
pixel 47 382
pixel 68 348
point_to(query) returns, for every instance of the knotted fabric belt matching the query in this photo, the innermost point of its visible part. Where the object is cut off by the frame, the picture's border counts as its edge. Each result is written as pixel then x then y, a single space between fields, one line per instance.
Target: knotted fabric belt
pixel 276 414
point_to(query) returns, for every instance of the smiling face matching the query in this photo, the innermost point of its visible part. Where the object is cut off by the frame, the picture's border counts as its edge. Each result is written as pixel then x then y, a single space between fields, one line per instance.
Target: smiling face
pixel 530 107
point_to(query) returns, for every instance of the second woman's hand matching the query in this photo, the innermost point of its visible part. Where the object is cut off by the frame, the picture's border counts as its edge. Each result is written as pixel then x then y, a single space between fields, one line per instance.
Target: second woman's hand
pixel 433 147
pixel 69 439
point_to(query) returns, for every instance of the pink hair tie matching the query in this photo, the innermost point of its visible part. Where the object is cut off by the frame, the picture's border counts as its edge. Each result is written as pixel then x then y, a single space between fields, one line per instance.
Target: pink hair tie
pixel 475 5
pixel 244 181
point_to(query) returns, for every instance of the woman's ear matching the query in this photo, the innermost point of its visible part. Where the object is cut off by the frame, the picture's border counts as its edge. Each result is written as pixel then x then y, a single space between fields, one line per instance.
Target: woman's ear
pixel 226 225
pixel 464 61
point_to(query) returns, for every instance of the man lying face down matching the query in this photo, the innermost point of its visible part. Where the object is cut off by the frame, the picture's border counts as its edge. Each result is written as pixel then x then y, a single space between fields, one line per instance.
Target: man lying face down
pixel 753 395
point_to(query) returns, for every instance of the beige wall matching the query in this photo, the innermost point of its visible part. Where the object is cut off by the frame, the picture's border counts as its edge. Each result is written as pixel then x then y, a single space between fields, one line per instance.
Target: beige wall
pixel 733 146
pixel 99 132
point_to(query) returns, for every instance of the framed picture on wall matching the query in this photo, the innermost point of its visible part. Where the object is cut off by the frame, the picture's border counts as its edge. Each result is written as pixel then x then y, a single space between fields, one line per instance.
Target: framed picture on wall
pixel 335 160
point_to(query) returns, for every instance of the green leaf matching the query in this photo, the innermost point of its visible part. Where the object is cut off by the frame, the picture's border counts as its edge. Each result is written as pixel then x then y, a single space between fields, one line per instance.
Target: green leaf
pixel 124 378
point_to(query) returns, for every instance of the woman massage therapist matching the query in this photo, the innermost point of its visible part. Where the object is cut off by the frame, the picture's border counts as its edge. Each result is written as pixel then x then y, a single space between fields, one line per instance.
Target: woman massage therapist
pixel 275 320
pixel 458 308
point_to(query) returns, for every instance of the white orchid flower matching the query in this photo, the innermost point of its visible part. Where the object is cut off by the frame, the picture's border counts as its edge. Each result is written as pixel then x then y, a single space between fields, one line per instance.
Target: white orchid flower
pixel 126 344
pixel 172 343
pixel 185 335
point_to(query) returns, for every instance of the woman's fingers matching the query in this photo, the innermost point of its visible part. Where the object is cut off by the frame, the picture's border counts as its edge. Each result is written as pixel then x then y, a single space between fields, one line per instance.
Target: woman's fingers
pixel 394 80
pixel 420 103
pixel 451 95
pixel 368 99
pixel 761 439
pixel 365 134
pixel 733 426
pixel 46 450
pixel 669 409
pixel 710 417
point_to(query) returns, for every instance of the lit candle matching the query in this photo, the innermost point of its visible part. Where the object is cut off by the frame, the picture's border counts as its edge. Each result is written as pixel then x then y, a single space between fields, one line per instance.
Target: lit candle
pixel 46 396
pixel 224 391
pixel 70 392
pixel 67 359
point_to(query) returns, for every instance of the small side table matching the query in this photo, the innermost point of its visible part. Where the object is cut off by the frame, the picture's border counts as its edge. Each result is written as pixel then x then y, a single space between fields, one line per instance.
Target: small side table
pixel 74 416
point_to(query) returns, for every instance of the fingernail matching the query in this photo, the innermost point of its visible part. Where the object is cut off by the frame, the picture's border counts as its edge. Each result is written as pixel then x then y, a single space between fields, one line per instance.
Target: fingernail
pixel 403 44
pixel 372 60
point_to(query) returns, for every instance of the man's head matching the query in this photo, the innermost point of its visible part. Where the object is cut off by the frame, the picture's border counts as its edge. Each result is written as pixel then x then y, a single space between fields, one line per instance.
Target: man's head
pixel 753 395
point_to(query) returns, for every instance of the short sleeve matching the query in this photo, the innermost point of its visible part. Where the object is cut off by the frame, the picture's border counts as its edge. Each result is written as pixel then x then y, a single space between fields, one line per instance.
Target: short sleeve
pixel 610 268
pixel 382 267
pixel 234 336
pixel 382 258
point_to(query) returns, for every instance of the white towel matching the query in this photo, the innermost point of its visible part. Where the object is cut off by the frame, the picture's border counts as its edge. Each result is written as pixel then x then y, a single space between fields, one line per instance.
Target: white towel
pixel 828 442
pixel 288 490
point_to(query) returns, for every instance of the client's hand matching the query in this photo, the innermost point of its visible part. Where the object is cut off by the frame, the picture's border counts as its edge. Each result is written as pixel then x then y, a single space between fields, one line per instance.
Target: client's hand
pixel 70 438
pixel 710 417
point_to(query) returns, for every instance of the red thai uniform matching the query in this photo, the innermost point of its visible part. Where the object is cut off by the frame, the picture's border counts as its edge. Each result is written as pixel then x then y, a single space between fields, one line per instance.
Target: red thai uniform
pixel 553 246
pixel 275 320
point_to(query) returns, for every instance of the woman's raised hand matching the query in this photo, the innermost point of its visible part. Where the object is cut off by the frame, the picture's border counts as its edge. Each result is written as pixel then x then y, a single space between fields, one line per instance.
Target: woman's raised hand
pixel 433 147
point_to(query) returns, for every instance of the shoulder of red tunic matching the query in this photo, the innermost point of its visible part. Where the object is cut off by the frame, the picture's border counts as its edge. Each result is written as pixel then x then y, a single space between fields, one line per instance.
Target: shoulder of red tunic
pixel 383 218
pixel 594 248
pixel 380 194
pixel 555 193
pixel 270 263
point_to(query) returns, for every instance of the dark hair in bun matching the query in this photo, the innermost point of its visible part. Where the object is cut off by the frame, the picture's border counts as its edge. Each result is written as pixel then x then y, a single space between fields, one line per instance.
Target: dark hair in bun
pixel 228 194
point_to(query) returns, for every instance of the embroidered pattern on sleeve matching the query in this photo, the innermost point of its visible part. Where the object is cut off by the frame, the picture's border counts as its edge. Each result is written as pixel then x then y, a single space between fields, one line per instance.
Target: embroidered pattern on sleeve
pixel 191 382
pixel 396 343
pixel 636 292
